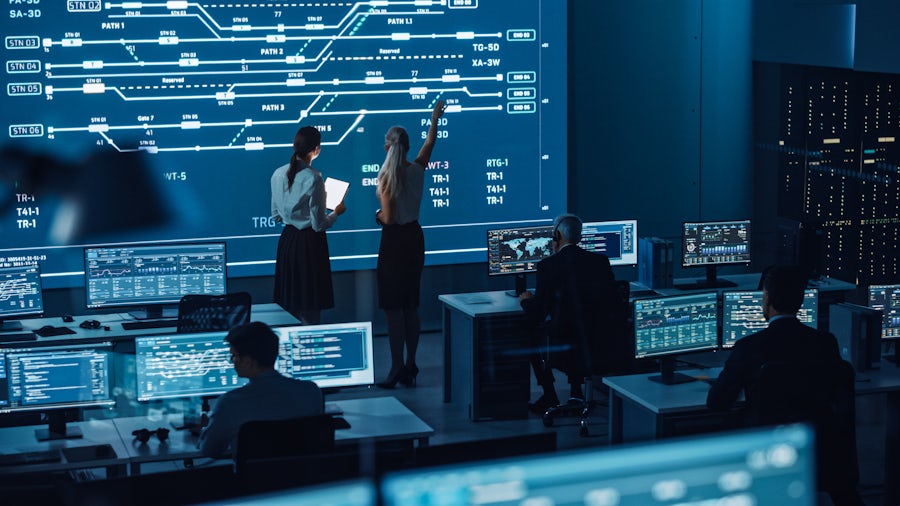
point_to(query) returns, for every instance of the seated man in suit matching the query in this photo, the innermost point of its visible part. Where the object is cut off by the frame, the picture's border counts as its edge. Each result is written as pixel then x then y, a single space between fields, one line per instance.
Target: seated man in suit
pixel 268 395
pixel 784 342
pixel 576 290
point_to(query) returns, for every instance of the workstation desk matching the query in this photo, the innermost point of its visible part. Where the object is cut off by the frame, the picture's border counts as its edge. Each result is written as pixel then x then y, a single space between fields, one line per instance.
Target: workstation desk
pixel 372 420
pixel 485 371
pixel 270 313
pixel 641 410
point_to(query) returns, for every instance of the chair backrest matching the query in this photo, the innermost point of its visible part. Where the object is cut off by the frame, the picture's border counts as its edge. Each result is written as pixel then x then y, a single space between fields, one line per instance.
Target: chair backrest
pixel 206 313
pixel 266 439
pixel 823 395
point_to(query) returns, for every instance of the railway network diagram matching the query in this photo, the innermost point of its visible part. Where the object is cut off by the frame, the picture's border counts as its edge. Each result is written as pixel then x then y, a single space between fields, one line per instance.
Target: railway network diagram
pixel 211 94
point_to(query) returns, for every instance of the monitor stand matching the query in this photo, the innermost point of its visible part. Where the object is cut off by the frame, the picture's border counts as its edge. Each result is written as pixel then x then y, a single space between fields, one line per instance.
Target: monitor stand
pixel 710 282
pixel 10 325
pixel 155 313
pixel 521 286
pixel 57 428
pixel 668 376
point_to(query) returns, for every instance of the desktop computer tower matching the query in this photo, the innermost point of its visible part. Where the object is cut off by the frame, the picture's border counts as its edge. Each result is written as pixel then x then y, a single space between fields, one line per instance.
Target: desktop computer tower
pixel 858 332
pixel 655 262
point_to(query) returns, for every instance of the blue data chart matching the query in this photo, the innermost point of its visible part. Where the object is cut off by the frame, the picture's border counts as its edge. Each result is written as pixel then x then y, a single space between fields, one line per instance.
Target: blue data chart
pixel 211 95
pixel 669 325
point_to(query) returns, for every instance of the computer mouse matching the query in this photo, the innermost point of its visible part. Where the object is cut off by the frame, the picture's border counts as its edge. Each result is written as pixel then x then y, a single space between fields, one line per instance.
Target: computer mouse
pixel 90 324
pixel 68 318
pixel 46 328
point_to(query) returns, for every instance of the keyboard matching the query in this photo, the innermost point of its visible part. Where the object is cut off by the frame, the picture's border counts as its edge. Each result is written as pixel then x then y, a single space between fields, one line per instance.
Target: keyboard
pixel 50 331
pixel 36 457
pixel 149 324
pixel 11 337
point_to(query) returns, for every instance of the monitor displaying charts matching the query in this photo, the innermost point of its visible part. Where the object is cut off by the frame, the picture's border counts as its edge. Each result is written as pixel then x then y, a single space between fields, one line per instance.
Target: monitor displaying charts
pixel 887 299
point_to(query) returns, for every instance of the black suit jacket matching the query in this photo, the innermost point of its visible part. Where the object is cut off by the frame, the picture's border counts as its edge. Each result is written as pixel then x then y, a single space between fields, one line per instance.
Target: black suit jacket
pixel 785 341
pixel 576 290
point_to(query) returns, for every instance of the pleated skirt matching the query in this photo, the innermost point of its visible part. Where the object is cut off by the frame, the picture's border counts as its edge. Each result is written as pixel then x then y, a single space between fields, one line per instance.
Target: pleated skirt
pixel 303 271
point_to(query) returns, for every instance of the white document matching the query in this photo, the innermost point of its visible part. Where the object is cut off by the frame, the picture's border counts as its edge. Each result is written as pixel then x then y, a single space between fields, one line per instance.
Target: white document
pixel 335 189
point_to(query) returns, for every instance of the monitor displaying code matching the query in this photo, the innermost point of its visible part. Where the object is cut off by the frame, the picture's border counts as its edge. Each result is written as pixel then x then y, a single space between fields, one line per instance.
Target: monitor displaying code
pixel 615 239
pixel 331 355
pixel 55 377
pixel 671 325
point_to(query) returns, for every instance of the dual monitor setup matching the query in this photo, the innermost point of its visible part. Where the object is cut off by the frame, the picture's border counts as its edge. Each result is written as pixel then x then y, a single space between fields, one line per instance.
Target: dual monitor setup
pixel 517 250
pixel 55 379
pixel 665 327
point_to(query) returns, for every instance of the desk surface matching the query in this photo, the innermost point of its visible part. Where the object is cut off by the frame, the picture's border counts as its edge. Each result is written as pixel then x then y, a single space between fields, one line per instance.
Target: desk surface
pixel 662 399
pixel 377 418
pixel 270 313
pixel 96 432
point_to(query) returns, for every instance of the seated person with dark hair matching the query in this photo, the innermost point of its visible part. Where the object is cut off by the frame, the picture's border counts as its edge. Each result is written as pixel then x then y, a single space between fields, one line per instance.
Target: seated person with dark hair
pixel 786 342
pixel 268 396
pixel 576 290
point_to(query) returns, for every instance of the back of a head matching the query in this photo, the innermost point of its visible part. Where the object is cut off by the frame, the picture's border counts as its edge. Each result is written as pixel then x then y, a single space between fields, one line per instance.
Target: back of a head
pixel 569 227
pixel 307 139
pixel 784 286
pixel 255 340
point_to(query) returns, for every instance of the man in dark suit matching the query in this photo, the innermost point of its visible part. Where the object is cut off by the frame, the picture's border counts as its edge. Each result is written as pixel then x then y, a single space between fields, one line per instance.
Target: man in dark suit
pixel 785 340
pixel 576 290
pixel 789 345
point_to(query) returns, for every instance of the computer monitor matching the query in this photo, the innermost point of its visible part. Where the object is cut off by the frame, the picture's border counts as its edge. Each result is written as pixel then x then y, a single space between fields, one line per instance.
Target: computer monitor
pixel 887 299
pixel 184 365
pixel 20 295
pixel 742 313
pixel 332 355
pixel 764 466
pixel 713 243
pixel 668 326
pixel 517 251
pixel 345 493
pixel 615 239
pixel 56 379
pixel 152 275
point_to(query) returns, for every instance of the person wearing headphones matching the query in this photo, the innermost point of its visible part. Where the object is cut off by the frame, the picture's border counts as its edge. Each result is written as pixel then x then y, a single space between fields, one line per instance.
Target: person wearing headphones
pixel 576 290
pixel 268 395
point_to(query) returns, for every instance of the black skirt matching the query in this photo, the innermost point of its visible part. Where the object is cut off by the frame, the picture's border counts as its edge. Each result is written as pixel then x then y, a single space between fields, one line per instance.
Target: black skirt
pixel 401 256
pixel 303 271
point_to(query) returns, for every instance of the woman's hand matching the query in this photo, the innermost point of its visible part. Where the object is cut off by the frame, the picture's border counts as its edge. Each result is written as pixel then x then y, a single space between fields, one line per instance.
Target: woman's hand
pixel 438 111
pixel 340 208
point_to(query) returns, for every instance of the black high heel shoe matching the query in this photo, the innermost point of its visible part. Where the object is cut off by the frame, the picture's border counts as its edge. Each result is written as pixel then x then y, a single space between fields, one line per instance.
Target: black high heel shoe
pixel 392 378
pixel 409 378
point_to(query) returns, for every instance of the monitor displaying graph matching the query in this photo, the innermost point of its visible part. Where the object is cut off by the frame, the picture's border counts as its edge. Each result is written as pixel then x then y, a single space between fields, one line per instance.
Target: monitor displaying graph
pixel 140 275
pixel 184 365
pixel 678 324
pixel 742 313
pixel 20 292
pixel 887 299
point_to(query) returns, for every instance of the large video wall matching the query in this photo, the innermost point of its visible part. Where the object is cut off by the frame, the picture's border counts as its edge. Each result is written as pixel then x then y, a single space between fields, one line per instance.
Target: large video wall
pixel 211 94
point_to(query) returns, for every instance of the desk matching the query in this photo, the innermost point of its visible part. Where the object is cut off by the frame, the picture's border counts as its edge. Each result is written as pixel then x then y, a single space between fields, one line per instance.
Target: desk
pixel 485 370
pixel 95 432
pixel 377 419
pixel 640 409
pixel 270 313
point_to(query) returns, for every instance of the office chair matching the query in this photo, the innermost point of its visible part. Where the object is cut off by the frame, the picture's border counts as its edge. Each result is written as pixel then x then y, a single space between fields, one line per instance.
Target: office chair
pixel 821 394
pixel 262 440
pixel 597 331
pixel 206 313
